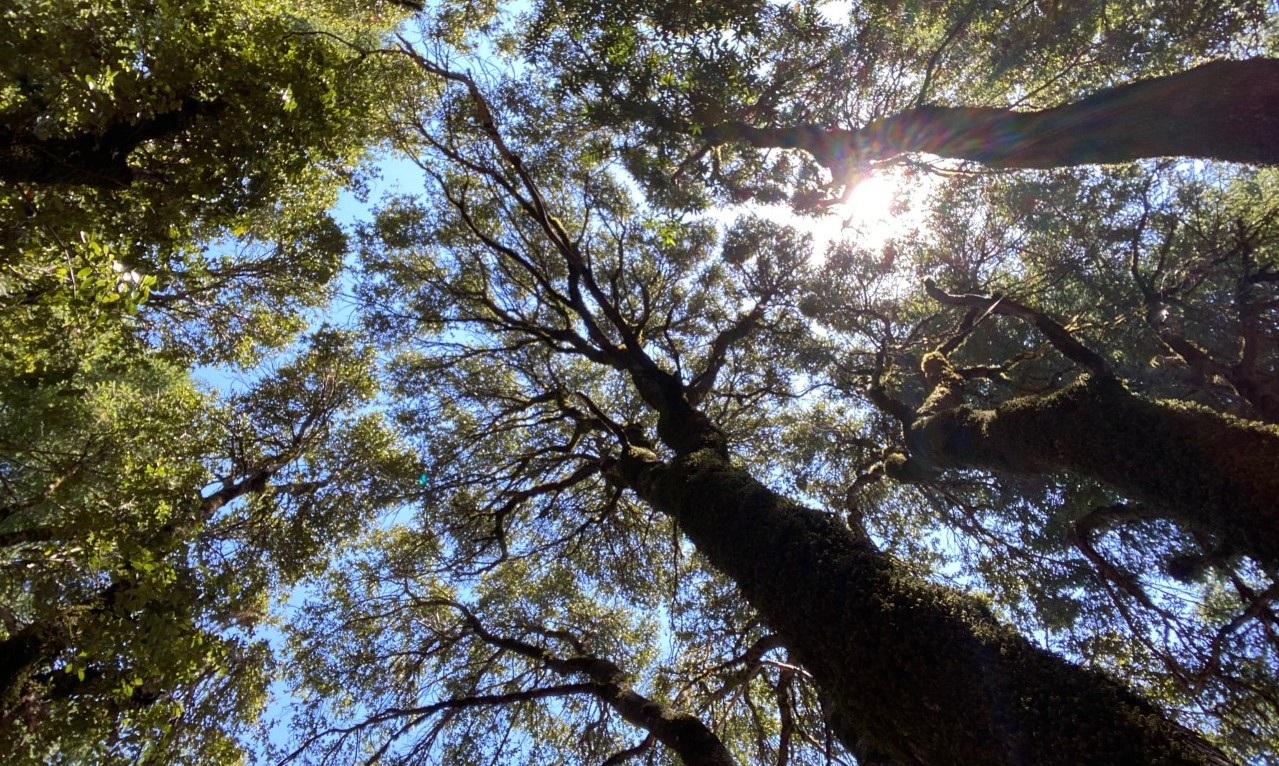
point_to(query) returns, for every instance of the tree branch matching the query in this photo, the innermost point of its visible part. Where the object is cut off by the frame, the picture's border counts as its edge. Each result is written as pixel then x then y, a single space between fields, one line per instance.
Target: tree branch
pixel 704 381
pixel 1058 335
pixel 1224 110
pixel 683 733
pixel 94 159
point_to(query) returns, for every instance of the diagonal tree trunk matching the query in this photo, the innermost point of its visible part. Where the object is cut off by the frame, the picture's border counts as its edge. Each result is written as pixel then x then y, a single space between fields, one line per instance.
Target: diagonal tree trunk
pixel 917 673
pixel 1223 110
pixel 1213 473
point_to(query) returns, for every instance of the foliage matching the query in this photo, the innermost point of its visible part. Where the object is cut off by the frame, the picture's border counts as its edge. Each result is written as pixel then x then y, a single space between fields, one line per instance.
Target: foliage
pixel 100 463
pixel 167 173
pixel 437 509
pixel 147 525
pixel 203 143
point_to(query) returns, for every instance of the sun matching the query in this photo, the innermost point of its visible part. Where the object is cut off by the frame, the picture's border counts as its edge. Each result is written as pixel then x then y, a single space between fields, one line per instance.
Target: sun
pixel 876 210
pixel 880 207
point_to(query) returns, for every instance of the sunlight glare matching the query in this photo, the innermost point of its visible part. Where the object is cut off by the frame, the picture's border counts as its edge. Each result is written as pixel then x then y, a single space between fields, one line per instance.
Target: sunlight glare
pixel 867 216
pixel 880 207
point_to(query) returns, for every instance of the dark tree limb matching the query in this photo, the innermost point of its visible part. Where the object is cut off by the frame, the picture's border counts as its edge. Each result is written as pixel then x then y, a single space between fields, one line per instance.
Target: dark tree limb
pixel 1213 473
pixel 28 535
pixel 622 756
pixel 680 425
pixel 1259 388
pixel 685 734
pixel 1081 536
pixel 420 713
pixel 1223 110
pixel 94 159
pixel 704 381
pixel 878 393
pixel 25 654
pixel 1059 336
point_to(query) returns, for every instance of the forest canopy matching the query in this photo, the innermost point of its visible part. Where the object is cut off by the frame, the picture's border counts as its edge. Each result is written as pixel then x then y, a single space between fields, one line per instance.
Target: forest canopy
pixel 467 382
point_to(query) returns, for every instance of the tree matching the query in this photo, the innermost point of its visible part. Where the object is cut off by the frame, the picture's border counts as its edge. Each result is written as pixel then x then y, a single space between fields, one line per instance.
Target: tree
pixel 688 85
pixel 226 101
pixel 145 526
pixel 1005 355
pixel 548 329
pixel 167 170
pixel 200 144
pixel 102 615
pixel 693 87
pixel 626 417
pixel 1209 471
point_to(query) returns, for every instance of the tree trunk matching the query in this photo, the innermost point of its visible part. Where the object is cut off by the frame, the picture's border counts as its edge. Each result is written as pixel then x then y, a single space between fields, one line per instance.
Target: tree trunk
pixel 1212 473
pixel 917 673
pixel 1223 110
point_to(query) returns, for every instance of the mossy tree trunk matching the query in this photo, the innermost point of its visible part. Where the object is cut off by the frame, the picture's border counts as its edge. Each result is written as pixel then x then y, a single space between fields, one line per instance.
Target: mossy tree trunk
pixel 916 673
pixel 1213 473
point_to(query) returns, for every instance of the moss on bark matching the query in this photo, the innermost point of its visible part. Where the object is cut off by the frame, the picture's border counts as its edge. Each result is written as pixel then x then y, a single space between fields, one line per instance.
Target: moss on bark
pixel 1213 473
pixel 918 673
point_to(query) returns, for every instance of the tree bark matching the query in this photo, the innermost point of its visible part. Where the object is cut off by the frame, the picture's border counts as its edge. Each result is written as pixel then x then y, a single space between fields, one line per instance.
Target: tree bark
pixel 917 673
pixel 1223 110
pixel 1212 473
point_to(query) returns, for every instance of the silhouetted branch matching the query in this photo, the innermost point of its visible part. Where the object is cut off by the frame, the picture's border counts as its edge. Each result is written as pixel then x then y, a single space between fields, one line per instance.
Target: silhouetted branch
pixel 1059 336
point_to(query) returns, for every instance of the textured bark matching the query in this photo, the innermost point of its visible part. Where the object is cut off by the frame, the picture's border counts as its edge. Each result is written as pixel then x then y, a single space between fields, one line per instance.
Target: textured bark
pixel 1224 110
pixel 917 673
pixel 1213 473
